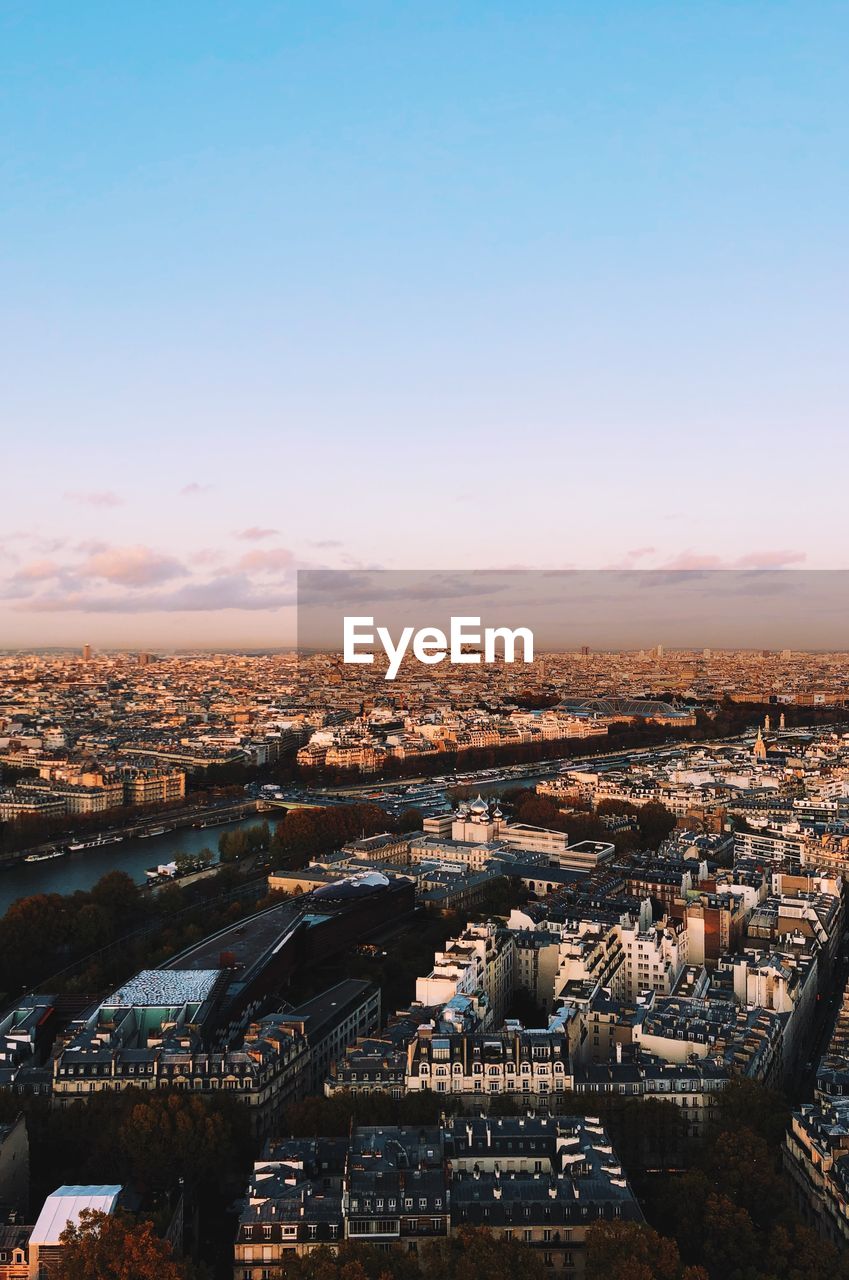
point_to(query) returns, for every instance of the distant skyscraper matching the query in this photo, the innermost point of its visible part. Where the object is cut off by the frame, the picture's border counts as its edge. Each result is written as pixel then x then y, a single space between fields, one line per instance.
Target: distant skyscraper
pixel 86 653
pixel 706 653
pixel 659 651
pixel 585 650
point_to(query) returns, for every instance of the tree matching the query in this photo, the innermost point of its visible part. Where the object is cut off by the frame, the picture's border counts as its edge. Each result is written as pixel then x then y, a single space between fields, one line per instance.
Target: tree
pixel 410 820
pixel 631 1251
pixel 473 1253
pixel 655 822
pixel 151 1140
pixel 747 1104
pixel 232 845
pixel 798 1253
pixel 744 1168
pixel 117 893
pixel 177 1135
pixel 731 1243
pixel 104 1246
pixel 352 1262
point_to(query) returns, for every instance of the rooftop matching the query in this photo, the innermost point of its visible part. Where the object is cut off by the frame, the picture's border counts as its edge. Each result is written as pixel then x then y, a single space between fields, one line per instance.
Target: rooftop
pixel 165 987
pixel 65 1205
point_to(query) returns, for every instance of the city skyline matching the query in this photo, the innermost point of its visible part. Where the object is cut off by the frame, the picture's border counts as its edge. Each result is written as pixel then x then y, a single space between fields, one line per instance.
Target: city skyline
pixel 268 275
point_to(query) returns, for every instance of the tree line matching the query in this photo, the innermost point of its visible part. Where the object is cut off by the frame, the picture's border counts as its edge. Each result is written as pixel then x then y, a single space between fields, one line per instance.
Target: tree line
pixel 653 821
pixel 721 720
pixel 91 939
pixel 44 934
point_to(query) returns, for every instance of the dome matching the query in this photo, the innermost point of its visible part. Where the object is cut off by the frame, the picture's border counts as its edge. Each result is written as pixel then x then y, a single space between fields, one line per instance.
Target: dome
pixel 479 806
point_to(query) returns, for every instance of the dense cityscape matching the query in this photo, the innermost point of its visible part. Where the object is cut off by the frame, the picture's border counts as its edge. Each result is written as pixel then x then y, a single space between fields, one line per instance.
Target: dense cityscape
pixel 424 641
pixel 523 958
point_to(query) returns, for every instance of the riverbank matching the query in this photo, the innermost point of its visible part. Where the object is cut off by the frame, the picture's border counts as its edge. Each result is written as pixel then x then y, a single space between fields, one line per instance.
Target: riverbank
pixel 133 855
pixel 142 827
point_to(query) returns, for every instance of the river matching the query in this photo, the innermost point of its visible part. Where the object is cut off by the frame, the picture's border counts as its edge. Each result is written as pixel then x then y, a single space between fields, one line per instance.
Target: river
pixel 83 869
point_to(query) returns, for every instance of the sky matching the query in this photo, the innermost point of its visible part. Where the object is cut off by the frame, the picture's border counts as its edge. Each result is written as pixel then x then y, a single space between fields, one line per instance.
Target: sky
pixel 564 609
pixel 460 285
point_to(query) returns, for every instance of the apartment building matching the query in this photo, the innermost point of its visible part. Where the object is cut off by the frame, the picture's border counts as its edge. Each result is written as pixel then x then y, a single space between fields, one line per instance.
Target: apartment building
pixel 477 964
pixel 541 1181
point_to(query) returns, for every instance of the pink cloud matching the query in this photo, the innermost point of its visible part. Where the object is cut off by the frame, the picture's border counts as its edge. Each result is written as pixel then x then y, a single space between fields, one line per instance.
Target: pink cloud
pixel 131 566
pixel 194 489
pixel 271 561
pixel 39 571
pixel 769 559
pixel 750 560
pixel 206 555
pixel 94 497
pixel 229 591
pixel 255 533
pixel 694 560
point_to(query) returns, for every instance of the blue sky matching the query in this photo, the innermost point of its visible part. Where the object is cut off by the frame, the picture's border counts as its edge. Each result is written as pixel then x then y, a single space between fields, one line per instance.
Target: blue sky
pixel 456 285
